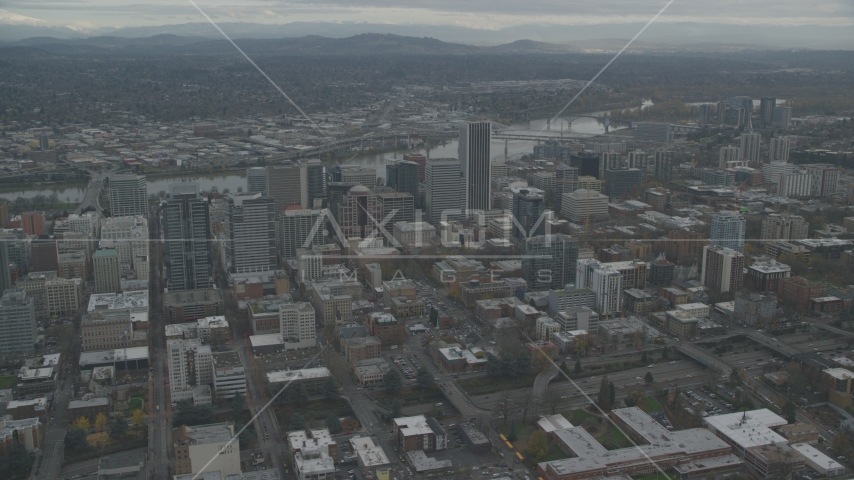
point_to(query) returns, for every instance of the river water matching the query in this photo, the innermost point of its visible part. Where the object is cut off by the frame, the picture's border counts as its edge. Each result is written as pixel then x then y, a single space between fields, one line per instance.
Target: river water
pixel 579 128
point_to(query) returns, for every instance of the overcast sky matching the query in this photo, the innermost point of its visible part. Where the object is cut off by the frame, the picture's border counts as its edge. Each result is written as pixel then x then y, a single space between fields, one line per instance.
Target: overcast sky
pixel 87 15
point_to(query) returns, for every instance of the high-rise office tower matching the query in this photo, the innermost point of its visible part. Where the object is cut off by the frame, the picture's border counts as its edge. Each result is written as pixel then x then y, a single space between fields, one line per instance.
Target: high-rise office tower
pixel 587 163
pixel 606 283
pixel 706 113
pixel 528 208
pixel 250 234
pixel 727 230
pixel 5 274
pixel 300 228
pixel 749 147
pixel 367 177
pixel 566 181
pixel 128 195
pixel 288 185
pixel 474 164
pixel 663 168
pixel 401 203
pixel 18 329
pixel 549 261
pixel 256 180
pixel 316 178
pixel 419 160
pixel 728 154
pixel 781 117
pixel 778 149
pixel 359 213
pixel 442 187
pixel 766 109
pixel 296 324
pixel 129 236
pixel 108 271
pixel 640 159
pixel 622 182
pixel 187 239
pixel 783 227
pixel 335 192
pixel 609 161
pixel 659 132
pixel 403 177
pixel 190 365
pixel 723 269
pixel 44 256
pixel 824 179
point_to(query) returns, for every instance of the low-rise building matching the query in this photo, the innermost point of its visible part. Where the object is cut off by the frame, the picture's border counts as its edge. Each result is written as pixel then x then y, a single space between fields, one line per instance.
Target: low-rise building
pixel 89 406
pixel 767 276
pixel 474 290
pixel 418 433
pixel 229 376
pixel 386 327
pixel 312 379
pixel 401 297
pixel 754 309
pixel 264 315
pixel 205 448
pixel 189 305
pixel 637 302
pixel 361 348
pixel 827 305
pixel 370 372
pixel 800 433
pixel 455 359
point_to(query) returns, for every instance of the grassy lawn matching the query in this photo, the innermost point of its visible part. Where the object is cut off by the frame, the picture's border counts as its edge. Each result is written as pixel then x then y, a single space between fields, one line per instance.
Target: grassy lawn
pixel 612 439
pixel 575 417
pixel 8 381
pixel 523 433
pixel 136 402
pixel 485 385
pixel 555 453
pixel 650 405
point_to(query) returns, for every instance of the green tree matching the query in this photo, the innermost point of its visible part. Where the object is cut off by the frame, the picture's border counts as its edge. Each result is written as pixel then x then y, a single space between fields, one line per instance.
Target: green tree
pixel 789 411
pixel 298 394
pixel 333 423
pixel 17 463
pixel 604 398
pixel 297 422
pixel 330 389
pixel 75 439
pixel 538 446
pixel 733 377
pixel 396 408
pixel 392 381
pixel 664 354
pixel 612 393
pixel 578 367
pixel 434 317
pixel 425 378
pixel 238 404
pixel 648 377
pixel 117 427
pixel 512 436
pixel 644 358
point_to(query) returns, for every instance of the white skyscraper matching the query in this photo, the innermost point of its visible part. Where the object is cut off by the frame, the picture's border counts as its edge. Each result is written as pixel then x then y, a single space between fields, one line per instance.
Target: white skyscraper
pixel 750 146
pixel 728 230
pixel 727 155
pixel 778 149
pixel 190 365
pixel 129 236
pixel 128 195
pixel 250 234
pixel 442 189
pixel 606 283
pixel 474 164
pixel 297 325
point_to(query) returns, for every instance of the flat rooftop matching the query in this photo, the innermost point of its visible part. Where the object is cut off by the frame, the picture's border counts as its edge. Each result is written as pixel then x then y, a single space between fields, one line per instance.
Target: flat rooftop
pixel 550 423
pixel 296 375
pixel 748 429
pixel 371 455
